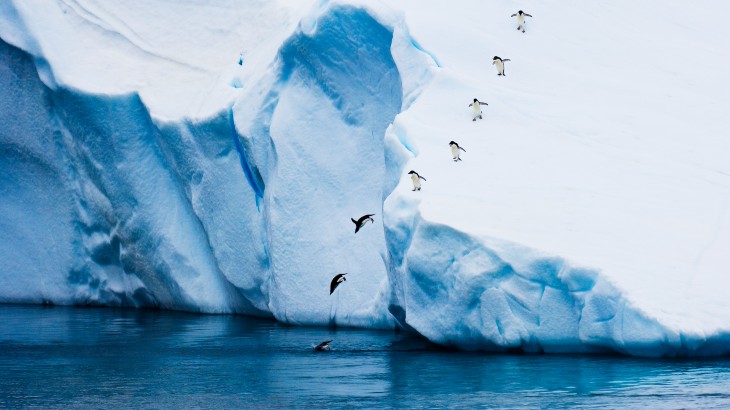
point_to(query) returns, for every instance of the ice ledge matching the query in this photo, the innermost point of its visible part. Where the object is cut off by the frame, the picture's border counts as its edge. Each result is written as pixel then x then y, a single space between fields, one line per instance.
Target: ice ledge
pixel 491 295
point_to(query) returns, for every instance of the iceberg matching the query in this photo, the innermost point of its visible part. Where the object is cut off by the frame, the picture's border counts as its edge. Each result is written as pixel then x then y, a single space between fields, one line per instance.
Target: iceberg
pixel 146 163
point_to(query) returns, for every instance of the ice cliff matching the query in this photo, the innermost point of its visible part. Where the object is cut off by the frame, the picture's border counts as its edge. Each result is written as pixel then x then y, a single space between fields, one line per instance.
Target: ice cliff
pixel 142 166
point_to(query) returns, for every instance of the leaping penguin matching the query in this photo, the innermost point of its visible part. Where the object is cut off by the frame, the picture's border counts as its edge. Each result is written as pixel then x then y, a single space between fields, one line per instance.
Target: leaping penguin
pixel 323 346
pixel 521 19
pixel 455 148
pixel 416 180
pixel 339 278
pixel 361 221
pixel 476 107
pixel 499 63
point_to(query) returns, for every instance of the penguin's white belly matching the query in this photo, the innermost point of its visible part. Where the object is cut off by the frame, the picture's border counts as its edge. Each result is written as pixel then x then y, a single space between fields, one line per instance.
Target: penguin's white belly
pixel 520 20
pixel 454 151
pixel 500 65
pixel 477 109
pixel 416 181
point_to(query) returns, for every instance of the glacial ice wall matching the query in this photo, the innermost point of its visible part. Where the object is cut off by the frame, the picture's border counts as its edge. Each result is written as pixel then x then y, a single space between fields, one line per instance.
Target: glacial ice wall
pixel 487 294
pixel 248 211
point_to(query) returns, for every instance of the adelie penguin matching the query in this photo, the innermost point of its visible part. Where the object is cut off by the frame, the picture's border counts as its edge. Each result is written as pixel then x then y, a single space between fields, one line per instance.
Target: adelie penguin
pixel 499 63
pixel 476 108
pixel 455 148
pixel 339 278
pixel 521 19
pixel 324 346
pixel 361 221
pixel 416 180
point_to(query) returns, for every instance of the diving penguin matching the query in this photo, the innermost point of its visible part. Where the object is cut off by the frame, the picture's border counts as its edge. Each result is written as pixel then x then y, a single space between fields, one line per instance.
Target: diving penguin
pixel 361 221
pixel 476 108
pixel 455 148
pixel 499 63
pixel 416 180
pixel 323 346
pixel 339 278
pixel 521 19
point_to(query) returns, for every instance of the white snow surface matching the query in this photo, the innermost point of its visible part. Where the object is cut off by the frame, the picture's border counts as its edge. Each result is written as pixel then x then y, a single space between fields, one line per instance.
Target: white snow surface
pixel 142 165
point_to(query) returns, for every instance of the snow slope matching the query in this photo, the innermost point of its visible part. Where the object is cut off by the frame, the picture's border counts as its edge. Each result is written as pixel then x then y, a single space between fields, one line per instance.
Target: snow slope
pixel 143 166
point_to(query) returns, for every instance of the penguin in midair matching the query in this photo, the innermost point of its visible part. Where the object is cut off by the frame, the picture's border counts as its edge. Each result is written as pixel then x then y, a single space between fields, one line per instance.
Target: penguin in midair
pixel 476 108
pixel 499 63
pixel 361 221
pixel 416 180
pixel 323 346
pixel 339 278
pixel 521 19
pixel 455 148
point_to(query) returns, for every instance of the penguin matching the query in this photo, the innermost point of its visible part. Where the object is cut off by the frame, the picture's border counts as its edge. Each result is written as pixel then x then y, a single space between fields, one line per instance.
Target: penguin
pixel 324 346
pixel 521 19
pixel 416 180
pixel 455 148
pixel 499 63
pixel 339 278
pixel 361 221
pixel 476 108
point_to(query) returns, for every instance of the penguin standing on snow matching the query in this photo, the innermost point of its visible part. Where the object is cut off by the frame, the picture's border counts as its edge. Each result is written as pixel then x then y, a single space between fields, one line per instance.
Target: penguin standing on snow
pixel 416 180
pixel 521 19
pixel 455 148
pixel 499 63
pixel 476 107
pixel 361 221
pixel 339 278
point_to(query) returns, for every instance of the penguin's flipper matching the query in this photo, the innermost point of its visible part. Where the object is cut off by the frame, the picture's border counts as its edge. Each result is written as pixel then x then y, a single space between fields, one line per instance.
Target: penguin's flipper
pixel 462 149
pixel 506 59
pixel 422 177
pixel 528 15
pixel 513 15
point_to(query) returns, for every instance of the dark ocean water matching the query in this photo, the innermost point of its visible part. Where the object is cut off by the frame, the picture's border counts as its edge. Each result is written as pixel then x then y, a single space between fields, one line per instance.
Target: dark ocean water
pixel 108 358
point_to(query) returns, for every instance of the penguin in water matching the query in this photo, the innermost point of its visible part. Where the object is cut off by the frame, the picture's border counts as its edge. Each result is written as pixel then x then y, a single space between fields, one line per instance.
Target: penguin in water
pixel 361 221
pixel 416 180
pixel 339 278
pixel 521 19
pixel 324 346
pixel 499 63
pixel 476 108
pixel 455 148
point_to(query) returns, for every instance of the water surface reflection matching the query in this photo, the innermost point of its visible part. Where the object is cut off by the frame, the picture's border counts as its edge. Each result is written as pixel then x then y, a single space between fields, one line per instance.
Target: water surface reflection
pixel 77 357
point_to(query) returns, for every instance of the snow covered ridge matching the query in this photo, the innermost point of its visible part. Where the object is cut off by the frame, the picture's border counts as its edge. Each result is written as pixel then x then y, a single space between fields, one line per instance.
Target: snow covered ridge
pixel 491 295
pixel 148 177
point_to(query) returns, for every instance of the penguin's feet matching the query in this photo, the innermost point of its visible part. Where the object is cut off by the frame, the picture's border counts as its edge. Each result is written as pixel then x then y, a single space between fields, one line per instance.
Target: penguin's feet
pixel 413 189
pixel 475 118
pixel 499 74
pixel 523 31
pixel 480 117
